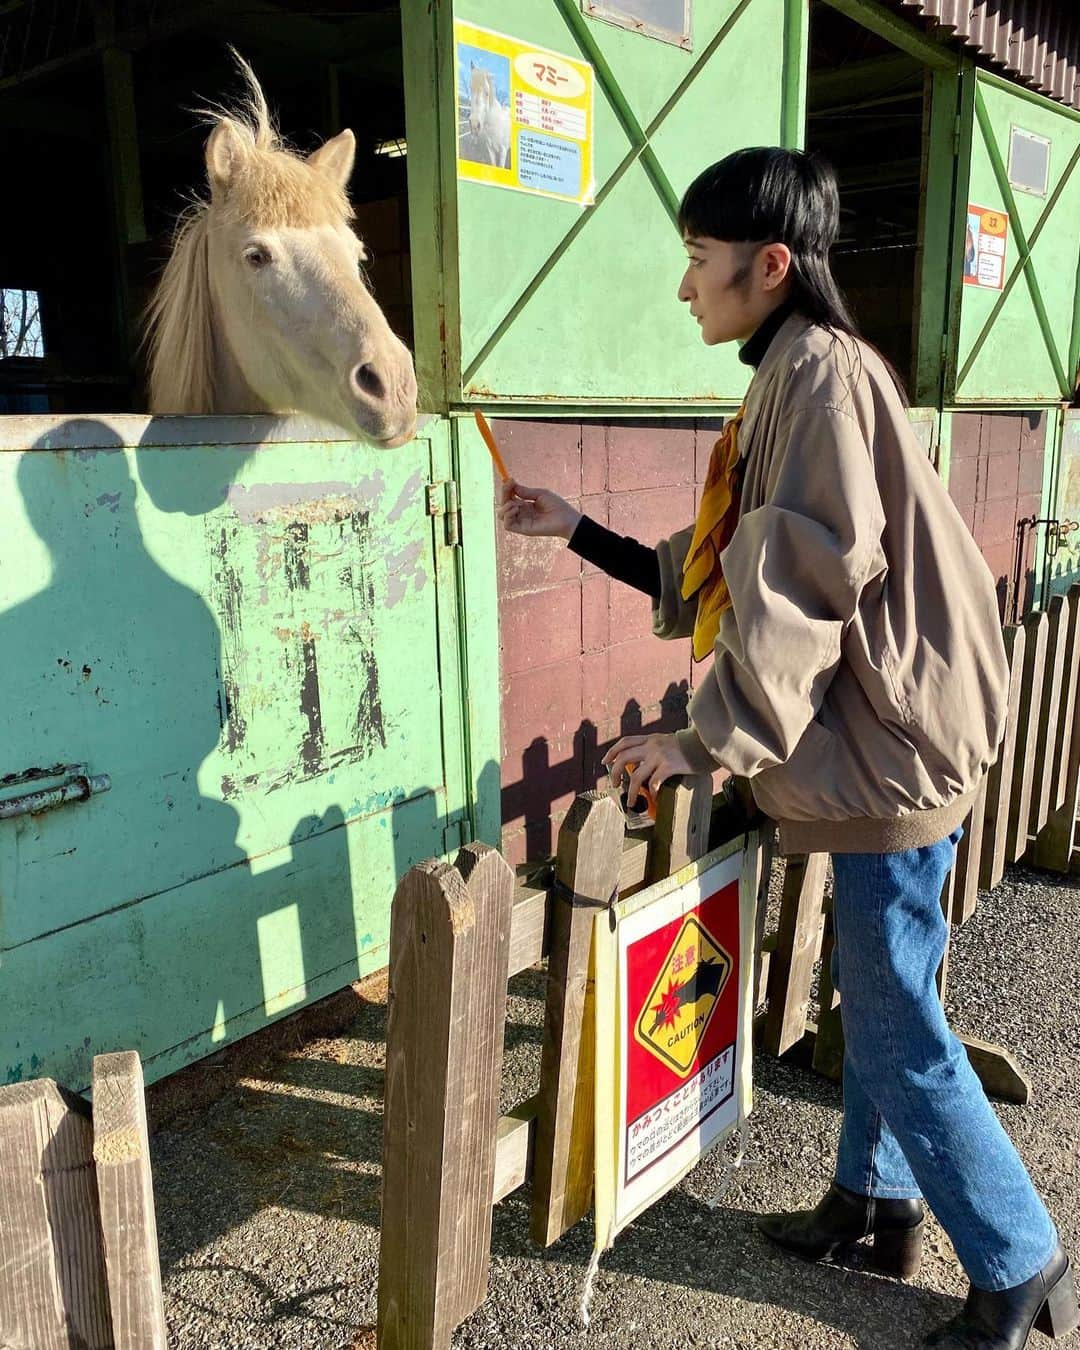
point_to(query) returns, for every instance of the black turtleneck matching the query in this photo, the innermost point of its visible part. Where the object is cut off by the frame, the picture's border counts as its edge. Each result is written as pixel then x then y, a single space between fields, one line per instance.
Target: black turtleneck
pixel 624 558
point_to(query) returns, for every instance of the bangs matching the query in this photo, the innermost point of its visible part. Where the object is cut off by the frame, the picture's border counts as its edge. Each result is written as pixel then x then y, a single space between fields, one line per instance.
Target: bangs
pixel 765 195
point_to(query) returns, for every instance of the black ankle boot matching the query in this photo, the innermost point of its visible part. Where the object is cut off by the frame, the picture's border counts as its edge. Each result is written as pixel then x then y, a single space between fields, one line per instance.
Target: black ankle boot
pixel 844 1218
pixel 1004 1321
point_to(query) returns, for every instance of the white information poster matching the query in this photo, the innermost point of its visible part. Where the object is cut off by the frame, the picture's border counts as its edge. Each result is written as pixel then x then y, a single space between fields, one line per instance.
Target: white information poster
pixel 525 116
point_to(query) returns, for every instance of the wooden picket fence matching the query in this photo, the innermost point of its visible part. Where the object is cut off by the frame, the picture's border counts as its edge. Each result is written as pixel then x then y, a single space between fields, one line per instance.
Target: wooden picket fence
pixel 458 933
pixel 78 1241
pixel 1026 809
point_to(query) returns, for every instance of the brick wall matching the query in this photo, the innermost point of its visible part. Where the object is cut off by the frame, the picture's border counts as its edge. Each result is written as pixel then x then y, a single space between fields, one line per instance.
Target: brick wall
pixel 995 479
pixel 580 666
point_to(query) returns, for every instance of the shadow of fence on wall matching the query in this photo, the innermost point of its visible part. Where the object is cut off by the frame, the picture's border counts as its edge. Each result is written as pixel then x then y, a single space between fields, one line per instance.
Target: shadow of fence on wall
pixel 535 798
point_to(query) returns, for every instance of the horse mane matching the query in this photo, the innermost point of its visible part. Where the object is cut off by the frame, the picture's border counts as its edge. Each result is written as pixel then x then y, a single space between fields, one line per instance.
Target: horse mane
pixel 273 187
pixel 179 327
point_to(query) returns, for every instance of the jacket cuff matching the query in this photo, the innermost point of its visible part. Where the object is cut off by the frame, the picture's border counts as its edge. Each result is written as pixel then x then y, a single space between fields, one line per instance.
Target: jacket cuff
pixel 695 752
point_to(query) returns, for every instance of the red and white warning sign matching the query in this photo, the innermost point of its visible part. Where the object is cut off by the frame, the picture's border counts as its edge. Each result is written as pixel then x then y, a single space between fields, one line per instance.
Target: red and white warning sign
pixel 672 1005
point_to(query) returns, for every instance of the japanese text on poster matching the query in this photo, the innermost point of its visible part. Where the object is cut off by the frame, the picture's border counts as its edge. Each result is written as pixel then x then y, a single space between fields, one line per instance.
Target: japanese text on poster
pixel 984 247
pixel 672 1056
pixel 525 116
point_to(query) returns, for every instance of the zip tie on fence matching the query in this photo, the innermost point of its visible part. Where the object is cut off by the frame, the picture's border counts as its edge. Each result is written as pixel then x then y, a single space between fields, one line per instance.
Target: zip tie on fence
pixel 728 1169
pixel 561 891
pixel 587 1288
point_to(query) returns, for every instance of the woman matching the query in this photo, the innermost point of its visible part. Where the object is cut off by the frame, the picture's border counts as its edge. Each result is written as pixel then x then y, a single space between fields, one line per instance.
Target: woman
pixel 859 683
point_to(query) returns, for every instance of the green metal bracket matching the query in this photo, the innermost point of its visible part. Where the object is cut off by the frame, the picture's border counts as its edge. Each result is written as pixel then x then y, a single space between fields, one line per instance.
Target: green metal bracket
pixel 640 148
pixel 1025 261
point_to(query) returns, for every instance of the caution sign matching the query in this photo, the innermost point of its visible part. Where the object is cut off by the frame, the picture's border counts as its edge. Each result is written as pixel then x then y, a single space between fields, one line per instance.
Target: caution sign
pixel 672 1014
pixel 985 242
pixel 677 1012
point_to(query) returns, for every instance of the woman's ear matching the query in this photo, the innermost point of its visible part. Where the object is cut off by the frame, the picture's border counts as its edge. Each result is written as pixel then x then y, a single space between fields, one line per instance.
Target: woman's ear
pixel 776 262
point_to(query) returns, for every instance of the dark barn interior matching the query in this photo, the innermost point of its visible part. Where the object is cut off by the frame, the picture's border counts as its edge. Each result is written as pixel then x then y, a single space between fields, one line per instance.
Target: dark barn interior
pixel 103 146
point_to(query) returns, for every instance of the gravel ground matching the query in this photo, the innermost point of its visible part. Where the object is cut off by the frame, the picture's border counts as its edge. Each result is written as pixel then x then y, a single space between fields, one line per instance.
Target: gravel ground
pixel 266 1168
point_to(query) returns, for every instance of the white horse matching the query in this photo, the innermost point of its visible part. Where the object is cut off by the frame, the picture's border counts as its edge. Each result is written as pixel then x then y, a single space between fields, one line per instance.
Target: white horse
pixel 262 306
pixel 489 121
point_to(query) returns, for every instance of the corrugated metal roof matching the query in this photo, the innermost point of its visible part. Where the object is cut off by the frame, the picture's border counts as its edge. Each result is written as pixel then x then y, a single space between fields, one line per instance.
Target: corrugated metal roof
pixel 1035 41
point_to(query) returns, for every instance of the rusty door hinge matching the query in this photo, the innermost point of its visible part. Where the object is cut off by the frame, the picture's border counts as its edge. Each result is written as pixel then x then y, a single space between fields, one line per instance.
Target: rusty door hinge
pixel 442 500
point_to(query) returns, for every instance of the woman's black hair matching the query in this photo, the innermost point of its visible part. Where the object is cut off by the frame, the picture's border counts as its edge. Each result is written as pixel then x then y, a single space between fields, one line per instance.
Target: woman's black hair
pixel 767 195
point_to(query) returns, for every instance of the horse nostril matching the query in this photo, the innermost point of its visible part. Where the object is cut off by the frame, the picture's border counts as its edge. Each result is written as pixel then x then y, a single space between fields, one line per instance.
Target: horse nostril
pixel 368 381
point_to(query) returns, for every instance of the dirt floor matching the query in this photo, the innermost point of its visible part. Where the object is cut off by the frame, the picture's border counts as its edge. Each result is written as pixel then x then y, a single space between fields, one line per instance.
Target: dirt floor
pixel 266 1170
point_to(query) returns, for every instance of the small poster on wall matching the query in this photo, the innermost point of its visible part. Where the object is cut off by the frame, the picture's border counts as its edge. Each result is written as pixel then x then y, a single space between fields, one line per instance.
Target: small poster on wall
pixel 984 247
pixel 525 116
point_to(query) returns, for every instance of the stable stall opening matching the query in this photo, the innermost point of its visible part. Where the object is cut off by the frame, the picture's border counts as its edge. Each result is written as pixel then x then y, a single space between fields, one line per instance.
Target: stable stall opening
pixel 866 111
pixel 103 140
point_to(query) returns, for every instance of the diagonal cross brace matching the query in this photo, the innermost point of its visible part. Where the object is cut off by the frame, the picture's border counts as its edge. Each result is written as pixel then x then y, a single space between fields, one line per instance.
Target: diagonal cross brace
pixel 1024 262
pixel 640 149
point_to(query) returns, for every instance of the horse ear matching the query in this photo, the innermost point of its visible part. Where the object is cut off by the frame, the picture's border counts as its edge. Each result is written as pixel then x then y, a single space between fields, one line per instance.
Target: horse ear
pixel 226 149
pixel 335 158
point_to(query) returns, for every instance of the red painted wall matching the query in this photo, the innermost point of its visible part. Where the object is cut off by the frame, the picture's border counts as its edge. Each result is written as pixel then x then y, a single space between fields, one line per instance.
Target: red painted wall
pixel 580 666
pixel 995 479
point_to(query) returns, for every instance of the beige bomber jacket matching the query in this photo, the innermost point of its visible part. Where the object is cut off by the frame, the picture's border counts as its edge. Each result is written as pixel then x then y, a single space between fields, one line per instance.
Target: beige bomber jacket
pixel 859 678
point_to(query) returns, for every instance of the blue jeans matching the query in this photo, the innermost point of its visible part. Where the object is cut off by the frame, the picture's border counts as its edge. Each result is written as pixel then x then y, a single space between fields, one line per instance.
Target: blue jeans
pixel 916 1119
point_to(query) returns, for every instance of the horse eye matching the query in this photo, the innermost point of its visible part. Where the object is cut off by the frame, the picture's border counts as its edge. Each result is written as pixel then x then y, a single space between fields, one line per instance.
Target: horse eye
pixel 256 256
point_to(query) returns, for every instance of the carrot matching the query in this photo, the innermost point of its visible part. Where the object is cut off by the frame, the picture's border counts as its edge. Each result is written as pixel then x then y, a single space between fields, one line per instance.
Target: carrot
pixel 489 441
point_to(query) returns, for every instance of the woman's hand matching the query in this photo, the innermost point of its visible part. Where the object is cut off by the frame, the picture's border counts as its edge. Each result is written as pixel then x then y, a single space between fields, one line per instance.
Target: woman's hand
pixel 655 758
pixel 535 511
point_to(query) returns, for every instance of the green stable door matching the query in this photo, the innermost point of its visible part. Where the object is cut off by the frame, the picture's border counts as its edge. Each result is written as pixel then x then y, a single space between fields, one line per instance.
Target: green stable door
pixel 547 281
pixel 255 638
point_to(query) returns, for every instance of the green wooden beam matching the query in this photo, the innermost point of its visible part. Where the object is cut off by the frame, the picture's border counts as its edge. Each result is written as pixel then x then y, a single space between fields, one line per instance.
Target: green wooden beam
pixel 1028 95
pixel 609 86
pixel 870 14
pixel 1005 188
pixel 796 45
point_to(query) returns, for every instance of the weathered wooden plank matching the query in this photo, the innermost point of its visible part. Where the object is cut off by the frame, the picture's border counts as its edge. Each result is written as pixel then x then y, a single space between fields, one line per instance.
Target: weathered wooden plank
pixel 965 889
pixel 634 862
pixel 126 1195
pixel 762 862
pixel 948 894
pixel 999 783
pixel 589 858
pixel 998 1071
pixel 528 928
pixel 1027 725
pixel 513 1151
pixel 53 1290
pixel 449 949
pixel 829 1040
pixel 996 1068
pixel 490 882
pixel 792 963
pixel 1054 845
pixel 1070 689
pixel 1047 768
pixel 681 831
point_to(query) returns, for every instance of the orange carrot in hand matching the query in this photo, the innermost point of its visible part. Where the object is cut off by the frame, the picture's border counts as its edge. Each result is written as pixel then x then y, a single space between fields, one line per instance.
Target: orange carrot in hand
pixel 489 441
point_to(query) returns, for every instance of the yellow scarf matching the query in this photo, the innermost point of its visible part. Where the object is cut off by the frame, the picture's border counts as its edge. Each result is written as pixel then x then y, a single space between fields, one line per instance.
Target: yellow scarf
pixel 717 517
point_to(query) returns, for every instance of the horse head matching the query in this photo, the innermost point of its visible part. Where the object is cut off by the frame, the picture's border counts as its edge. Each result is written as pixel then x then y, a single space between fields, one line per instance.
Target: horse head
pixel 271 272
pixel 481 98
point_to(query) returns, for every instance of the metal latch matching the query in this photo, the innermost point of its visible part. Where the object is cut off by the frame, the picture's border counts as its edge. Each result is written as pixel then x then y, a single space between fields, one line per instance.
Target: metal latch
pixel 442 500
pixel 78 786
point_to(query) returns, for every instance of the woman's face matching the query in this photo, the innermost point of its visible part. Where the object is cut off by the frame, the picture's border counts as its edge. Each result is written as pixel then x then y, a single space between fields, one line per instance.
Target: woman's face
pixel 730 288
